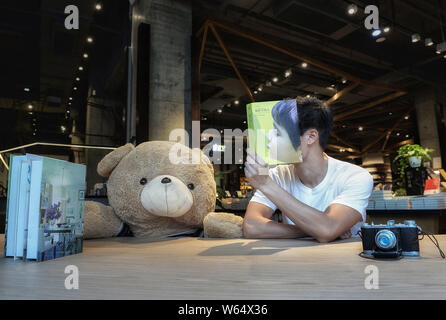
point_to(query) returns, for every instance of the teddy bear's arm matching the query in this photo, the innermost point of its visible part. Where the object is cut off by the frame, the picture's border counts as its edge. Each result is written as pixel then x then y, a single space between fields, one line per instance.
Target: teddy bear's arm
pixel 100 221
pixel 223 225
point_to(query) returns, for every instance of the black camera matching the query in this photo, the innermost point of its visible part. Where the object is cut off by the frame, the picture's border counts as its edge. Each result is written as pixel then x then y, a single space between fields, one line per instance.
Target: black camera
pixel 390 240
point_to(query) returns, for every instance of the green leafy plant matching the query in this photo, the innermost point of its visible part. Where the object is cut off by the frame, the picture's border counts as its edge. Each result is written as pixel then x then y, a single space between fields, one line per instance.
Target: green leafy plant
pixel 401 161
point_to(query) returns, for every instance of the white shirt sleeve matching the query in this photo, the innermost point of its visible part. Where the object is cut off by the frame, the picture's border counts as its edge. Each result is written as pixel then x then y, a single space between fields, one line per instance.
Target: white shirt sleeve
pixel 259 197
pixel 356 192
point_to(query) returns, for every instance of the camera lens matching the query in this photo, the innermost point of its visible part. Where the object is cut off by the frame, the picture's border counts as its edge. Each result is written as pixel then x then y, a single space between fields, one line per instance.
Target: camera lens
pixel 385 239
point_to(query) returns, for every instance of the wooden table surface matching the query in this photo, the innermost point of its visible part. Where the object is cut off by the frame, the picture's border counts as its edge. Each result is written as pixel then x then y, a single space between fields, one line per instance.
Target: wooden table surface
pixel 193 268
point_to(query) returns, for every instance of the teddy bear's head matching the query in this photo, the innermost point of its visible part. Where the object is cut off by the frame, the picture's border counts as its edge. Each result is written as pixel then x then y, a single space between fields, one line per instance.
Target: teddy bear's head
pixel 159 181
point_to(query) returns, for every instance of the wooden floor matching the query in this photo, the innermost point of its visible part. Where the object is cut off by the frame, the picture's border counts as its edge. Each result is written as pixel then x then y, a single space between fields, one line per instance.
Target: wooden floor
pixel 193 268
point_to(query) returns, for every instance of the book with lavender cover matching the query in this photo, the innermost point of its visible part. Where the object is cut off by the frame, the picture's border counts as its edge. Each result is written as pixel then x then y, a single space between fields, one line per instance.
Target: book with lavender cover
pixel 54 226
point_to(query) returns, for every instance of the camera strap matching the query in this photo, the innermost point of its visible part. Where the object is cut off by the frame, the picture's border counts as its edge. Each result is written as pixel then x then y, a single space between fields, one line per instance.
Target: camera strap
pixel 434 241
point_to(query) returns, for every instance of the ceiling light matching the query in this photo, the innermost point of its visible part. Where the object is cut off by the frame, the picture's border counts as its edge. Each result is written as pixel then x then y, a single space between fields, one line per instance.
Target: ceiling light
pixel 90 39
pixel 81 68
pixel 438 52
pixel 390 113
pixel 387 29
pixel 407 136
pixel 75 88
pixel 70 98
pixel 236 102
pixel 361 129
pixel 441 47
pixel 268 83
pixel 219 110
pixel 255 91
pixel 288 73
pixel 63 128
pixel 30 106
pixel 416 37
pixel 26 89
pixel 304 65
pixel 30 113
pixel 244 121
pixel 275 79
pixel 444 56
pixel 78 79
pixel 344 81
pixel 85 55
pixel 98 6
pixel 68 111
pixel 428 42
pixel 352 9
pixel 259 88
pixel 308 96
pixel 381 39
pixel 398 134
pixel 406 117
pixel 376 32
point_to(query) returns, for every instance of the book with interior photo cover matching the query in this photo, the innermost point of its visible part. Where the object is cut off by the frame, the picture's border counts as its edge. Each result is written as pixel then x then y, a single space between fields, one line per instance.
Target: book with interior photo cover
pixel 274 131
pixel 45 208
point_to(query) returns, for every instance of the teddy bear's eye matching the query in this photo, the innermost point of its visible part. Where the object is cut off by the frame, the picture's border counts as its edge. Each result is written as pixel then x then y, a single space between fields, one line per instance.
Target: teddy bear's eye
pixel 143 181
pixel 191 186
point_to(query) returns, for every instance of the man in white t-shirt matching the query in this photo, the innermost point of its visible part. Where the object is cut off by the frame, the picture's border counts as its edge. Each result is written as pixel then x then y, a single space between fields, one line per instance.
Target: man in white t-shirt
pixel 321 197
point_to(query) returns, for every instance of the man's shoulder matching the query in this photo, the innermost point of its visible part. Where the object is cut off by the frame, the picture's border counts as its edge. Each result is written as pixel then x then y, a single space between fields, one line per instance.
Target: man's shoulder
pixel 347 169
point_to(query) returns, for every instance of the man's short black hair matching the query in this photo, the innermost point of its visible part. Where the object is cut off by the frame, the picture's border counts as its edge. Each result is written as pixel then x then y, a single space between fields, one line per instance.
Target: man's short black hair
pixel 315 114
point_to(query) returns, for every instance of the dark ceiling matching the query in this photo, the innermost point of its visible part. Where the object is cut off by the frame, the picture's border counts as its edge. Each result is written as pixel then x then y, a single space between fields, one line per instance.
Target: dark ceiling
pixel 38 53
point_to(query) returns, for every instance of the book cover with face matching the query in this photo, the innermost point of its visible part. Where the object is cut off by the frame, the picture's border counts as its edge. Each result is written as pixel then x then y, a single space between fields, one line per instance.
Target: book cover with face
pixel 273 129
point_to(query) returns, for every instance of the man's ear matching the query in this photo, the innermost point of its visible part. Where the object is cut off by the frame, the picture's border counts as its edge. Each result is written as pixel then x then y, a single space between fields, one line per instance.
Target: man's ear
pixel 111 160
pixel 311 136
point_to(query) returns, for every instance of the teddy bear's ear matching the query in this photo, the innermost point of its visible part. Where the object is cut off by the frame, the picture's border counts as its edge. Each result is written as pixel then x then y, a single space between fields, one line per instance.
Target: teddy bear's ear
pixel 111 160
pixel 208 162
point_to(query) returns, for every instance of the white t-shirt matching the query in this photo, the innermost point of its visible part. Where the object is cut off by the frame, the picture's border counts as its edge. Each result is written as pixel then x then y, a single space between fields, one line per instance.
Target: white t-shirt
pixel 344 183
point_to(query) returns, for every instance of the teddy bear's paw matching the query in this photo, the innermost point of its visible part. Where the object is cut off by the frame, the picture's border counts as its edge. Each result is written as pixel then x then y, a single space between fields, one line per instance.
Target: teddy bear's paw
pixel 223 225
pixel 100 221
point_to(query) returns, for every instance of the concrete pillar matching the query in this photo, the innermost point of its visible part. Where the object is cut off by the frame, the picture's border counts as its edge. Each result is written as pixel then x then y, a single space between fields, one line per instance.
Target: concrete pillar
pixel 170 65
pixel 100 128
pixel 425 104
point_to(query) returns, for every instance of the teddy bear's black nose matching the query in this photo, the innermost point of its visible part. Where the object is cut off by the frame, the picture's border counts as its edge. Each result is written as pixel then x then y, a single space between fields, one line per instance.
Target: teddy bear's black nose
pixel 166 180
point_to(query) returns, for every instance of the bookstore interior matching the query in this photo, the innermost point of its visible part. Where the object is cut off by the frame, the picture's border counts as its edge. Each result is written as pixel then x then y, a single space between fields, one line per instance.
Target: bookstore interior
pixel 89 121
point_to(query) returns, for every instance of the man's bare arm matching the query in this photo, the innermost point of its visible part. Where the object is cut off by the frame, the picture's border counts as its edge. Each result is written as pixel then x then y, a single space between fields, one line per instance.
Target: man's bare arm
pixel 257 224
pixel 323 226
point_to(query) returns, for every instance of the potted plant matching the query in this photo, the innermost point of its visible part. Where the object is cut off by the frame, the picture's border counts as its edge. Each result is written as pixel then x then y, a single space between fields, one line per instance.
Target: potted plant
pixel 409 155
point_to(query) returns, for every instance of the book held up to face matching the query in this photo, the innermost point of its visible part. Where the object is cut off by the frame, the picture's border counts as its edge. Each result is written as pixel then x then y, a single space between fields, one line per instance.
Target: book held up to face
pixel 273 129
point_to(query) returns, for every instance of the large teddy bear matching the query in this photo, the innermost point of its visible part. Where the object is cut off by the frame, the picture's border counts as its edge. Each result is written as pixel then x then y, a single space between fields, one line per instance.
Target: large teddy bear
pixel 155 196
